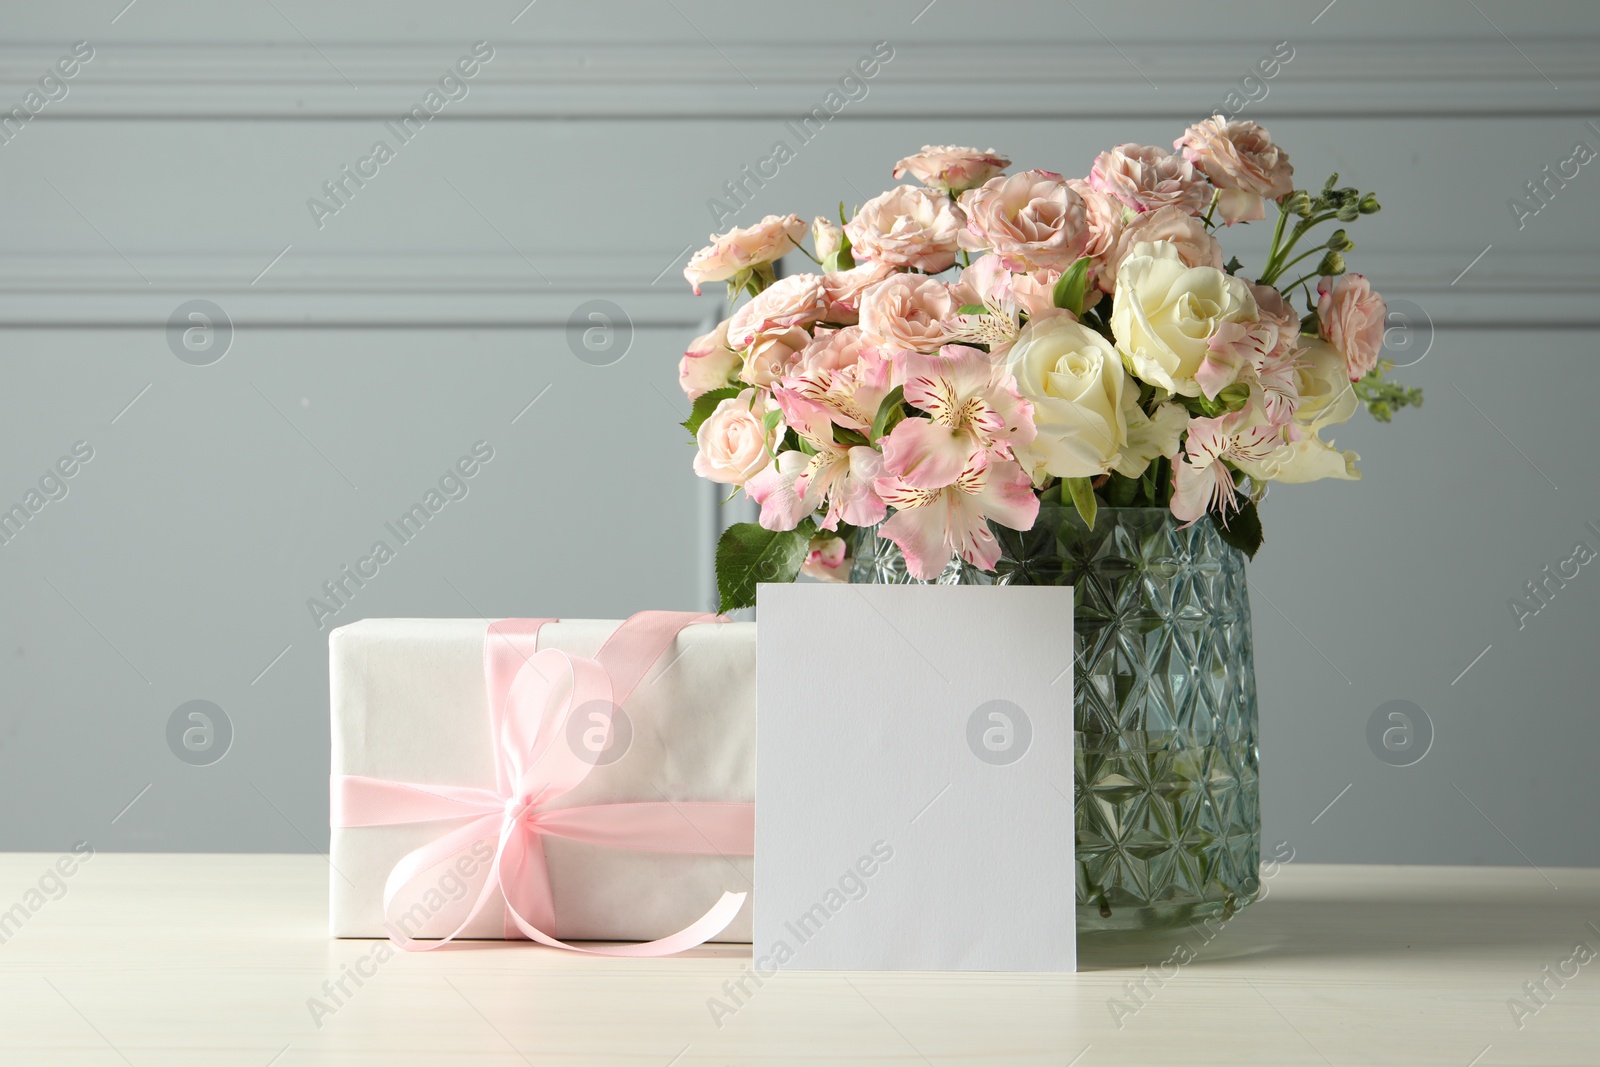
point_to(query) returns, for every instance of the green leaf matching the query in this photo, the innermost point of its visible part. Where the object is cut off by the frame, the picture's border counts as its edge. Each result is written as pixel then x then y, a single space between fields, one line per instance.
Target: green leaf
pixel 705 404
pixel 1242 529
pixel 972 309
pixel 1082 492
pixel 748 554
pixel 1233 265
pixel 1072 287
pixel 1120 491
pixel 889 413
pixel 1233 397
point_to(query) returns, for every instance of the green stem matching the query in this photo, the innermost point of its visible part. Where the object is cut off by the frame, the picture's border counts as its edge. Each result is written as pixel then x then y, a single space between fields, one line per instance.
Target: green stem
pixel 1302 255
pixel 1275 266
pixel 1287 289
pixel 1277 235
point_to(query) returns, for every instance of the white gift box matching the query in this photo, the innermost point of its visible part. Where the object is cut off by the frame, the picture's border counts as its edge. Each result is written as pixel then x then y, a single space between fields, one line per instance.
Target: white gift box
pixel 409 704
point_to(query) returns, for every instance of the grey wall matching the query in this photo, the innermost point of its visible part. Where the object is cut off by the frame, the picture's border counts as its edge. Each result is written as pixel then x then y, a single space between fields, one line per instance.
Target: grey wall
pixel 425 316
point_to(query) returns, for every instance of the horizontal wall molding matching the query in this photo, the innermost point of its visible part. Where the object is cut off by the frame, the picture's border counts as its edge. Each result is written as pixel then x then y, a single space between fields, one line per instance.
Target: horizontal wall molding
pixel 492 289
pixel 1078 79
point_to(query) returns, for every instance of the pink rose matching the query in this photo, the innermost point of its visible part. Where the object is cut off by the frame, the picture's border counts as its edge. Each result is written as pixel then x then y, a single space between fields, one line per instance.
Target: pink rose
pixel 1107 217
pixel 708 364
pixel 827 559
pixel 793 301
pixel 1030 220
pixel 1241 161
pixel 907 227
pixel 833 350
pixel 736 250
pixel 734 445
pixel 907 313
pixel 771 354
pixel 1145 178
pixel 845 288
pixel 1185 232
pixel 951 168
pixel 1350 317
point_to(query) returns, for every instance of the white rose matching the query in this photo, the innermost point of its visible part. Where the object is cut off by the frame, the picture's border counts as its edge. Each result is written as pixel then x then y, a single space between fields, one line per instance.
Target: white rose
pixel 1077 385
pixel 1166 312
pixel 734 445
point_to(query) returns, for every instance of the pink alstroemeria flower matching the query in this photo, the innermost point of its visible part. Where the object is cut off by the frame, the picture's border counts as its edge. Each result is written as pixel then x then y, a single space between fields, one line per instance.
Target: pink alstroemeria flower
pixel 849 396
pixel 974 408
pixel 841 476
pixel 930 525
pixel 1202 481
pixel 1259 355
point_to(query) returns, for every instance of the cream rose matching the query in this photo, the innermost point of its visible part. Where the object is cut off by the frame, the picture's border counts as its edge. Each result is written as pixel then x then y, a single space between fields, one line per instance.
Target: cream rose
pixel 906 312
pixel 1075 381
pixel 795 301
pixel 708 363
pixel 1030 220
pixel 734 445
pixel 1351 316
pixel 907 227
pixel 732 252
pixel 1242 162
pixel 950 167
pixel 1145 178
pixel 1166 311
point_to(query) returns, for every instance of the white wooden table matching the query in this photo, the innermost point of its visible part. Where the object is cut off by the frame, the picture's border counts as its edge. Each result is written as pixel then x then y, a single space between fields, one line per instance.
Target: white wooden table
pixel 215 960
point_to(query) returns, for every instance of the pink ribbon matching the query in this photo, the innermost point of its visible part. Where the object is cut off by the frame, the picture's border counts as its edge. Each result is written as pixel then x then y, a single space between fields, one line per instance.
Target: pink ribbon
pixel 532 696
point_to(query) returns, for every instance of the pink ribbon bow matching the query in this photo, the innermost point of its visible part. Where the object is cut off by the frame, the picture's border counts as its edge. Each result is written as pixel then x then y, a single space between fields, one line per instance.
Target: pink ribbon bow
pixel 532 696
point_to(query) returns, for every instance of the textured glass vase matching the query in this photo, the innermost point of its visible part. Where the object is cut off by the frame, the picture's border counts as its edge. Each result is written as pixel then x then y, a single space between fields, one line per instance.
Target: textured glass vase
pixel 1164 706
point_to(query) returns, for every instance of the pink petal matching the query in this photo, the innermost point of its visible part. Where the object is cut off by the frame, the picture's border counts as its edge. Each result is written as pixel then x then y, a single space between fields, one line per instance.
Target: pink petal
pixel 925 454
pixel 1007 497
pixel 920 533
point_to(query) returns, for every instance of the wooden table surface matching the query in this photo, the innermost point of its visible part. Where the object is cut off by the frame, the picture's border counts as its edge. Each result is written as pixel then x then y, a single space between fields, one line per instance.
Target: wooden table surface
pixel 218 960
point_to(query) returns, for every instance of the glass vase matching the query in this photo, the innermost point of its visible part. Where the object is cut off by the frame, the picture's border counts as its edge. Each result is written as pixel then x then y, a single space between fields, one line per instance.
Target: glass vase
pixel 1164 706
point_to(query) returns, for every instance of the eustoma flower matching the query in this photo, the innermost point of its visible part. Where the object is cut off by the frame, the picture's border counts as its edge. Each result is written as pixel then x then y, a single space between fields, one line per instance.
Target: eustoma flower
pixel 1351 318
pixel 951 168
pixel 1242 162
pixel 973 408
pixel 738 250
pixel 930 525
pixel 1146 178
pixel 1030 220
pixel 907 227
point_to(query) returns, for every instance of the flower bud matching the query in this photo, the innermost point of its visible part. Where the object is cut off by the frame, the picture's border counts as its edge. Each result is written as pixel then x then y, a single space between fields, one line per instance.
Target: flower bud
pixel 1339 241
pixel 1298 203
pixel 1369 205
pixel 827 236
pixel 1332 264
pixel 1348 211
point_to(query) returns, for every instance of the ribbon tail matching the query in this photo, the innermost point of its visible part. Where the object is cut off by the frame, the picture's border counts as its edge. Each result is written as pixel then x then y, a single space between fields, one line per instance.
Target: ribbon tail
pixel 427 857
pixel 696 933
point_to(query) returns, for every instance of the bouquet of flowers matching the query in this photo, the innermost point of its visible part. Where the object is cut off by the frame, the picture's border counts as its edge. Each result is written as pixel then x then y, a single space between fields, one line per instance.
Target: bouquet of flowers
pixel 971 345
